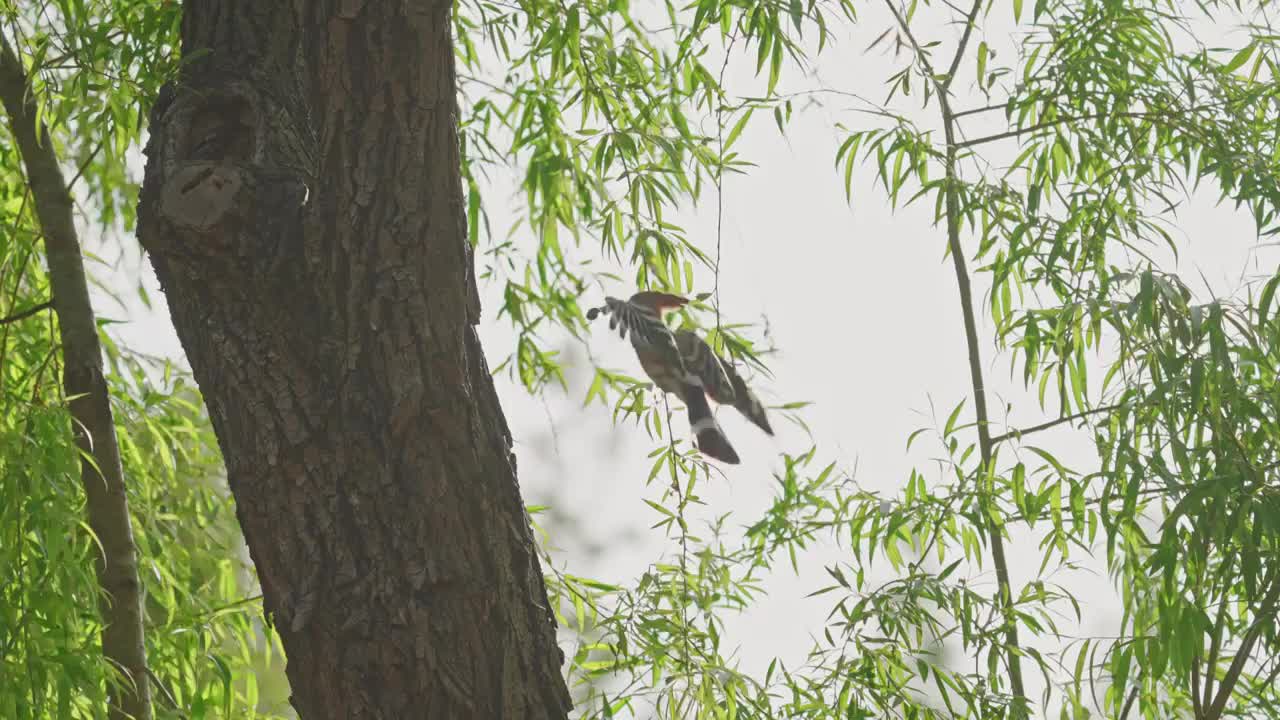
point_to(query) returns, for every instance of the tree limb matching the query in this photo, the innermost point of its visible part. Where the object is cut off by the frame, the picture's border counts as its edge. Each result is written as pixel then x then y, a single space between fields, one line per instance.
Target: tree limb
pixel 1052 423
pixel 969 24
pixel 1196 711
pixel 1128 704
pixel 974 111
pixel 1266 612
pixel 1004 593
pixel 24 314
pixel 101 473
pixel 1067 119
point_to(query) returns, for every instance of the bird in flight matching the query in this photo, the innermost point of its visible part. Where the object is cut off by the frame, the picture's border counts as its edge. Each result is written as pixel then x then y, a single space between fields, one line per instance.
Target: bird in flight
pixel 683 364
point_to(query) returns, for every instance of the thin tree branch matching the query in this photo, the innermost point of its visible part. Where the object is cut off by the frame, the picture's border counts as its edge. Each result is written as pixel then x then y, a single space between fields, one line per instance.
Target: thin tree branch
pixel 1271 676
pixel 165 693
pixel 1072 119
pixel 85 165
pixel 1215 644
pixel 1012 650
pixel 1266 612
pixel 23 314
pixel 101 474
pixel 915 46
pixel 969 24
pixel 1012 434
pixel 1128 704
pixel 1196 710
pixel 1026 130
pixel 975 111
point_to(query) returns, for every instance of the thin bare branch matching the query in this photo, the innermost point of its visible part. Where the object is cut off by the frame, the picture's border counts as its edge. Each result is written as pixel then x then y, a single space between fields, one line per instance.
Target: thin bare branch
pixel 1013 434
pixel 1012 651
pixel 1266 613
pixel 1068 119
pixel 1128 704
pixel 975 111
pixel 23 314
pixel 969 24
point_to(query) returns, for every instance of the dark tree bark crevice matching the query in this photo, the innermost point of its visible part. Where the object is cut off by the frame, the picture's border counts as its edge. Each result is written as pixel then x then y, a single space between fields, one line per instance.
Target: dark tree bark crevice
pixel 303 210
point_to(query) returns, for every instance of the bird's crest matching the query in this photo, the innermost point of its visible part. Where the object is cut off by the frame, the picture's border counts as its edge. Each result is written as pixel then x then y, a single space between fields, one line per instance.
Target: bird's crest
pixel 659 301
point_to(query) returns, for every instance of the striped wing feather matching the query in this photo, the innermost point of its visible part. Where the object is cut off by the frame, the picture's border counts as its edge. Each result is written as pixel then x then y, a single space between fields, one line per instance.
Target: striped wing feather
pixel 721 381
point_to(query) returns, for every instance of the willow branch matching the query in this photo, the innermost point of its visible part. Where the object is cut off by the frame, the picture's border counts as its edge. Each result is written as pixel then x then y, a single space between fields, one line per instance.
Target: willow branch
pixel 1215 647
pixel 1012 434
pixel 969 24
pixel 1068 119
pixel 92 423
pixel 1196 711
pixel 974 111
pixel 1012 651
pixel 23 314
pixel 1266 612
pixel 1128 704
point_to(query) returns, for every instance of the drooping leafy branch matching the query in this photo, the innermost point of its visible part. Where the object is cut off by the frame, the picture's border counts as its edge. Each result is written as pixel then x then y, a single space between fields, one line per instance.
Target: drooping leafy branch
pixel 1109 124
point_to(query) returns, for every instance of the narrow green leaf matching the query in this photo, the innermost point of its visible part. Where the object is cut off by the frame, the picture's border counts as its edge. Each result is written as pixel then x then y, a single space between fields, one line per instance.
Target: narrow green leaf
pixel 983 51
pixel 1240 58
pixel 738 127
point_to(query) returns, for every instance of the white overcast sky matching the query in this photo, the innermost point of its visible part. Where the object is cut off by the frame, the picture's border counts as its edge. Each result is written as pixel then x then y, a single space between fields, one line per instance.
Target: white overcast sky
pixel 862 307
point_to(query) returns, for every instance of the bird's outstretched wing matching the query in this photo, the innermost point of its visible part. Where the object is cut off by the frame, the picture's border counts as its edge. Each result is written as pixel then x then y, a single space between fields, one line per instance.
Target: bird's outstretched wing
pixel 701 360
pixel 719 378
pixel 648 333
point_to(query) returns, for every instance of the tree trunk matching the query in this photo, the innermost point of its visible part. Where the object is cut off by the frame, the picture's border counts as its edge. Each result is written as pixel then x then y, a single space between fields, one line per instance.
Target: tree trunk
pixel 303 210
pixel 101 473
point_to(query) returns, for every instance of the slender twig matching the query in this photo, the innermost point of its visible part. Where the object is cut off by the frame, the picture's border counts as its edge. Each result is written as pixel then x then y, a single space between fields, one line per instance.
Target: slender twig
pixel 85 165
pixel 1215 647
pixel 724 66
pixel 1266 612
pixel 1128 704
pixel 1012 434
pixel 1215 642
pixel 969 24
pixel 23 314
pixel 1196 709
pixel 165 692
pixel 1270 680
pixel 1004 592
pixel 911 38
pixel 975 111
pixel 1067 119
pixel 681 504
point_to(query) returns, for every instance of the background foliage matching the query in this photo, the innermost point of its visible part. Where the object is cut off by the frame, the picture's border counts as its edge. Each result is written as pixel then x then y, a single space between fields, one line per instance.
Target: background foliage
pixel 94 68
pixel 1054 158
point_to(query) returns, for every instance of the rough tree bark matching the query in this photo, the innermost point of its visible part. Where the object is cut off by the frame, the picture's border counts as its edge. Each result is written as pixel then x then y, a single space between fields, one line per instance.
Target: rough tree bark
pixel 303 210
pixel 101 473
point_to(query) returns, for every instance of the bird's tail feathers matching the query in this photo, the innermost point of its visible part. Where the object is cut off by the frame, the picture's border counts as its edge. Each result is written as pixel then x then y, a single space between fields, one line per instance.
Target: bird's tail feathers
pixel 711 439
